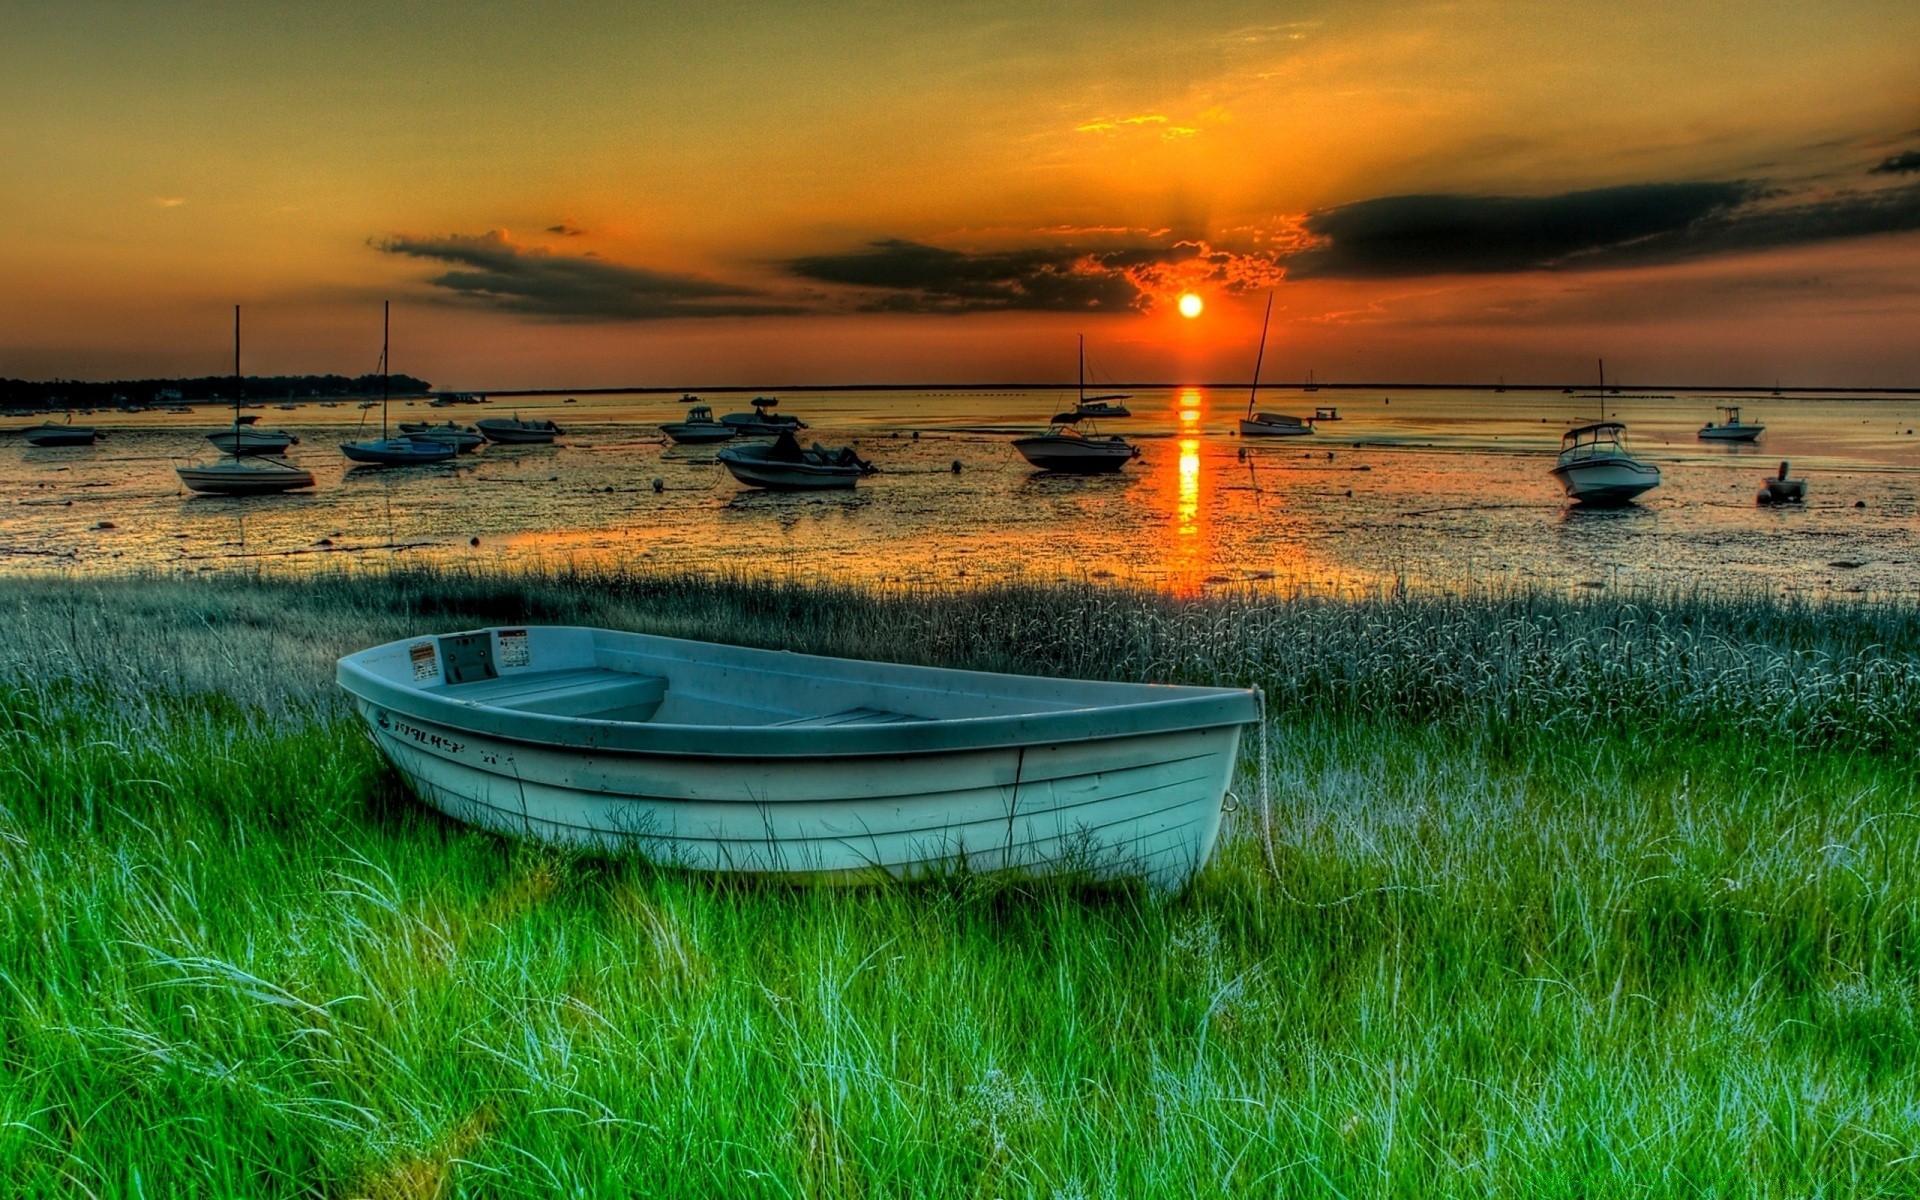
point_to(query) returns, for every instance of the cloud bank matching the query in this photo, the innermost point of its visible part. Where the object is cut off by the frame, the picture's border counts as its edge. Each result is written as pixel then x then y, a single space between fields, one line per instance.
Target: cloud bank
pixel 494 271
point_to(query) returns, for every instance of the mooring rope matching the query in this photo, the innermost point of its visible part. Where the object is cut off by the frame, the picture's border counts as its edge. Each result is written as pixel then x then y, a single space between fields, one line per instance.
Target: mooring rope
pixel 1266 785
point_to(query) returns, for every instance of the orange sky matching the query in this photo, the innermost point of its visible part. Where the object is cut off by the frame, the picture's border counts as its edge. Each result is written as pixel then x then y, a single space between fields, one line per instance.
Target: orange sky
pixel 587 195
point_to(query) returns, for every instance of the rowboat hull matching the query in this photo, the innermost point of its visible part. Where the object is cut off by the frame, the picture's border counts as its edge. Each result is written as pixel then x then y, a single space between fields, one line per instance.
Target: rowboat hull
pixel 251 441
pixel 1146 807
pixel 756 471
pixel 1731 433
pixel 1032 777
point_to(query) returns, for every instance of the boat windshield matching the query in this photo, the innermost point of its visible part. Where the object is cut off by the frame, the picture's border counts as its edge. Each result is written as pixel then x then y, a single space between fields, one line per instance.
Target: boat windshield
pixel 1594 441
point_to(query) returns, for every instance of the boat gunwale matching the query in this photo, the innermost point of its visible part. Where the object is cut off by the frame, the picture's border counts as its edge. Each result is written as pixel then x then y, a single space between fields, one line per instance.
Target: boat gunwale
pixel 1190 708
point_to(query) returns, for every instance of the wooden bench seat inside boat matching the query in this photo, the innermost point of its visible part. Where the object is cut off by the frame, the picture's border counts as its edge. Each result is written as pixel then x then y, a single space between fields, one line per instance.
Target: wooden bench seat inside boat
pixel 584 692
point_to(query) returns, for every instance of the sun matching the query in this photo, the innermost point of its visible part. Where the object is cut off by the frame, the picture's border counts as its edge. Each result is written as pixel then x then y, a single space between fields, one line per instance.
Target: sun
pixel 1190 306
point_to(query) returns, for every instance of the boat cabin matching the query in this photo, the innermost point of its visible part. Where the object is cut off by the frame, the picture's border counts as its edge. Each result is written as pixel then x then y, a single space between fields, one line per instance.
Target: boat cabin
pixel 1603 439
pixel 1326 412
pixel 700 414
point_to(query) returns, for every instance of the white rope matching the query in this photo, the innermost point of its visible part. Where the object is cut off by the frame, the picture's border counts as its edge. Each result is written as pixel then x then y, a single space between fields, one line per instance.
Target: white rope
pixel 1266 786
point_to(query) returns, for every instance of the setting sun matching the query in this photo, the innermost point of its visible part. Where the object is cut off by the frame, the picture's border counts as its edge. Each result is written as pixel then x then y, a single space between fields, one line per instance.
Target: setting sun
pixel 1190 306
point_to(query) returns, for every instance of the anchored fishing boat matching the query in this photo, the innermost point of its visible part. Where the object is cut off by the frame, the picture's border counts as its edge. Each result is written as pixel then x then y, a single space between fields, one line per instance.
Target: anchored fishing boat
pixel 760 422
pixel 722 758
pixel 1595 467
pixel 699 429
pixel 1731 428
pixel 1064 447
pixel 783 466
pixel 392 451
pixel 465 439
pixel 1266 424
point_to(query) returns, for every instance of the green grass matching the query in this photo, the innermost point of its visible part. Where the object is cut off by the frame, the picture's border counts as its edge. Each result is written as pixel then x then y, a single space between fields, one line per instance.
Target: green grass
pixel 1564 897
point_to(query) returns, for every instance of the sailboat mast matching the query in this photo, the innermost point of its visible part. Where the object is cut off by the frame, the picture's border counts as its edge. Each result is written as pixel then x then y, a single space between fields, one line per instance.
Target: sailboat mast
pixel 1083 371
pixel 386 331
pixel 1261 356
pixel 1603 388
pixel 236 379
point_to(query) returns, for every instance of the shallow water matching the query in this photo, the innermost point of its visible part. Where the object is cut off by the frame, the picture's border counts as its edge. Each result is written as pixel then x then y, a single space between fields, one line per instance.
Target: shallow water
pixel 1429 487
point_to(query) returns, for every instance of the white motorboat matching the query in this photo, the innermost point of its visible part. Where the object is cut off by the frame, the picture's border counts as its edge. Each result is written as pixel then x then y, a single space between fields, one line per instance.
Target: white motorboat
pixel 54 434
pixel 699 429
pixel 516 432
pixel 1065 448
pixel 1731 428
pixel 762 423
pixel 245 475
pixel 254 471
pixel 722 758
pixel 243 439
pixel 465 439
pixel 1266 424
pixel 784 467
pixel 1596 469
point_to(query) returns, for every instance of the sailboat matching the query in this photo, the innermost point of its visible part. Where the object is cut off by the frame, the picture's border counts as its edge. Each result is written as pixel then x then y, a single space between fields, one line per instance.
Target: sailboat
pixel 242 472
pixel 392 451
pixel 1063 447
pixel 1268 424
pixel 1595 466
pixel 1110 405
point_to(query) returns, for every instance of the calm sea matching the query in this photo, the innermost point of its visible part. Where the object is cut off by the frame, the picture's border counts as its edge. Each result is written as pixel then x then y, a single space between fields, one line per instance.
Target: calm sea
pixel 1437 488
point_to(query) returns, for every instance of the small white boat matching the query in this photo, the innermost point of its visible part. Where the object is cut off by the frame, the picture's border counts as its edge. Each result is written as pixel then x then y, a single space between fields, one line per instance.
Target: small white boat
pixel 721 758
pixel 1596 469
pixel 699 429
pixel 244 439
pixel 465 439
pixel 760 422
pixel 1065 449
pixel 245 475
pixel 1325 412
pixel 515 432
pixel 784 467
pixel 253 472
pixel 54 434
pixel 1266 424
pixel 1731 428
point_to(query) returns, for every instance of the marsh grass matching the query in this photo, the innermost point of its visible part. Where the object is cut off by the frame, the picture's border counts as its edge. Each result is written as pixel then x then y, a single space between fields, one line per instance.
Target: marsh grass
pixel 1564 897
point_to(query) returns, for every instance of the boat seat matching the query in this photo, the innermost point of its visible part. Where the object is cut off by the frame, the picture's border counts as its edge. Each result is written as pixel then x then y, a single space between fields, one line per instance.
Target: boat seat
pixel 851 716
pixel 588 692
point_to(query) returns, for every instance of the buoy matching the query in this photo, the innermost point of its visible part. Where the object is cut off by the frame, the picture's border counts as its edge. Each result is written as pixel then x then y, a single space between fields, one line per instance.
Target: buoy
pixel 659 484
pixel 916 435
pixel 473 541
pixel 1243 453
pixel 1859 503
pixel 956 466
pixel 106 525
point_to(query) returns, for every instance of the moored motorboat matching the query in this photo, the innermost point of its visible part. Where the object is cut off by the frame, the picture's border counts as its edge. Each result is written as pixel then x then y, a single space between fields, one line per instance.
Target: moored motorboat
pixel 762 423
pixel 699 429
pixel 1596 469
pixel 465 439
pixel 52 434
pixel 512 431
pixel 397 452
pixel 245 475
pixel 243 439
pixel 1731 428
pixel 1065 448
pixel 722 758
pixel 783 466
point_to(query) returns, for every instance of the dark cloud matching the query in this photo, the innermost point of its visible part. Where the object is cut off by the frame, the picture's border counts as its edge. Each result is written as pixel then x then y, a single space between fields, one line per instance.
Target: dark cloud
pixel 921 278
pixel 1450 235
pixel 494 271
pixel 566 230
pixel 1898 164
pixel 1610 227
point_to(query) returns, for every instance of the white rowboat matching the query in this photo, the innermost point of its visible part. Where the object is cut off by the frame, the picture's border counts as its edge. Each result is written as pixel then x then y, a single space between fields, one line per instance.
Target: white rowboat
pixel 722 758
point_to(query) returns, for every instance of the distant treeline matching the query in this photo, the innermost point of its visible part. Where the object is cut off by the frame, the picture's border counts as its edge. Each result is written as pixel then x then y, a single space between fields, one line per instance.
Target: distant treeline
pixel 64 393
